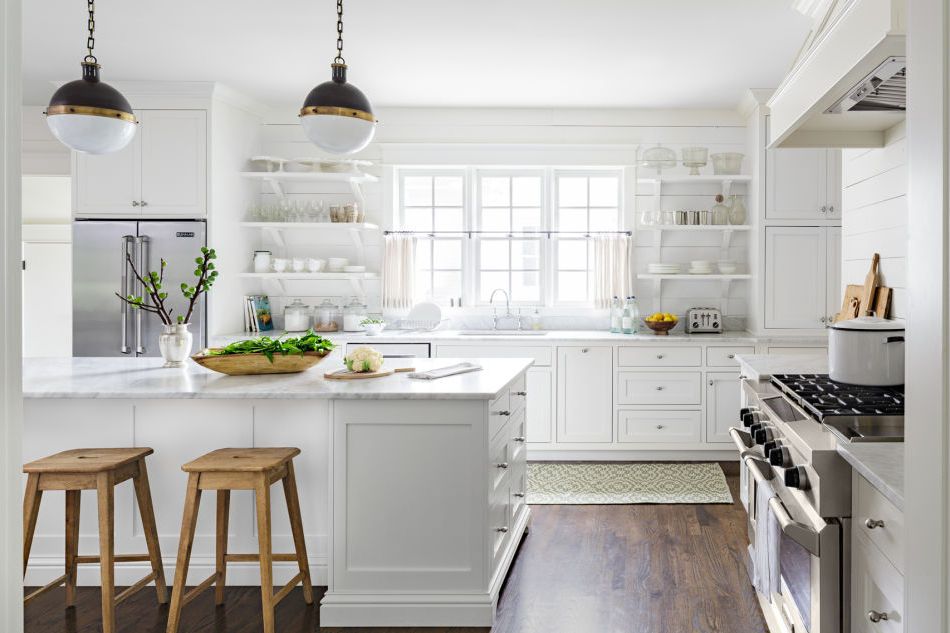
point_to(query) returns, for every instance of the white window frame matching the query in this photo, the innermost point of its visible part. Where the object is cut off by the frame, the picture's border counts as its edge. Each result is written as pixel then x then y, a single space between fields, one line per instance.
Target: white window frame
pixel 471 177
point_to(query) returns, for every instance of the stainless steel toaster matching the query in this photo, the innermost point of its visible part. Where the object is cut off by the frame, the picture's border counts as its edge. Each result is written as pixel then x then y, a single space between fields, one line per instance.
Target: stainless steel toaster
pixel 704 320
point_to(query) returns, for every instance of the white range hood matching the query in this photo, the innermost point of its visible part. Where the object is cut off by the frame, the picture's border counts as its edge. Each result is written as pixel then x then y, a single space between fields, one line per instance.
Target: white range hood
pixel 847 86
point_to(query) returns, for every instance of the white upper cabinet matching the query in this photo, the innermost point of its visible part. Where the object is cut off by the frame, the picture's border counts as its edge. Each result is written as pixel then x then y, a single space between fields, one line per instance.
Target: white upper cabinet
pixel 802 276
pixel 803 184
pixel 163 171
pixel 585 394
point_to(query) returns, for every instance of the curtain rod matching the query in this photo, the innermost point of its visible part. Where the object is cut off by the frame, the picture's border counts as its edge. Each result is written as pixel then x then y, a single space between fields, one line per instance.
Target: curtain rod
pixel 509 233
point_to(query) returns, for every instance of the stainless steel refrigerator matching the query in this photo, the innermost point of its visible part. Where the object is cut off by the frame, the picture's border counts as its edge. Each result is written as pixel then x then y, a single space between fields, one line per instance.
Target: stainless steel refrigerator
pixel 103 325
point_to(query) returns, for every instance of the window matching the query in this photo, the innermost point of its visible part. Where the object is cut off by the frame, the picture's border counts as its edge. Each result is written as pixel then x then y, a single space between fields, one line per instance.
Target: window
pixel 522 230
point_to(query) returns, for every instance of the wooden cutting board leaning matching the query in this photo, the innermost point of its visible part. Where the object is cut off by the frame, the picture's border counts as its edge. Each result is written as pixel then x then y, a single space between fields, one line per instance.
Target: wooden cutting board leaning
pixel 858 299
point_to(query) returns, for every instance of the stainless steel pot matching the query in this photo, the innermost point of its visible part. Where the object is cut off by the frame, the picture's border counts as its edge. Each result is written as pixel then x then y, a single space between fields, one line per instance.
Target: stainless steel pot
pixel 867 351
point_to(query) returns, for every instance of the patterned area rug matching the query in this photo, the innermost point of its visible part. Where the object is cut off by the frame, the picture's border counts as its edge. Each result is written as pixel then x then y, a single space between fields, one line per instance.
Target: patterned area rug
pixel 612 483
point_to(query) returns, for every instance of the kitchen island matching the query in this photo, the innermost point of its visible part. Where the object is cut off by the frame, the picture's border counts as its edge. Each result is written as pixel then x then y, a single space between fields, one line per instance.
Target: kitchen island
pixel 412 491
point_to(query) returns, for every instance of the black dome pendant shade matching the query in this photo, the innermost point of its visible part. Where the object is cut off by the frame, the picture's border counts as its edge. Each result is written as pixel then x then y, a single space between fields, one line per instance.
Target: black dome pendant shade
pixel 90 96
pixel 337 97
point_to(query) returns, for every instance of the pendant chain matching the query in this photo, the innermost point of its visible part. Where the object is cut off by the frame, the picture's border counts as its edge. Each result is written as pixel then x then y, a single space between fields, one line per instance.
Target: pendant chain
pixel 339 32
pixel 91 25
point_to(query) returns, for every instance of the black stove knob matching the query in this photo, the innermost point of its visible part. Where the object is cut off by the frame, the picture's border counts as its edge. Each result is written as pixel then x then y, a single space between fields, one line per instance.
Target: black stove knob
pixel 780 457
pixel 753 417
pixel 763 435
pixel 796 477
pixel 745 410
pixel 768 447
pixel 757 427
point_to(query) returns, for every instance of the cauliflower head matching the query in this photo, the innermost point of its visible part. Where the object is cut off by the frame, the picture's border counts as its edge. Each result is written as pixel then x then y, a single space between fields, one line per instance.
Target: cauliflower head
pixel 363 359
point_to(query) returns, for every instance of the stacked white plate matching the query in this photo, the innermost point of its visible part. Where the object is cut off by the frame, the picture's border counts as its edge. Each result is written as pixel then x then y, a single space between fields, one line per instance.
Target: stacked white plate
pixel 701 267
pixel 663 269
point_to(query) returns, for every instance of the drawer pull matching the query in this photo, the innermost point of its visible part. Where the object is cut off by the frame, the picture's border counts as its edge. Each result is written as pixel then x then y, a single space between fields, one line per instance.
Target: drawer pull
pixel 502 465
pixel 520 393
pixel 502 412
pixel 712 382
pixel 584 351
pixel 659 356
pixel 873 524
pixel 520 495
pixel 659 427
pixel 659 387
pixel 731 356
pixel 501 529
pixel 520 439
pixel 876 616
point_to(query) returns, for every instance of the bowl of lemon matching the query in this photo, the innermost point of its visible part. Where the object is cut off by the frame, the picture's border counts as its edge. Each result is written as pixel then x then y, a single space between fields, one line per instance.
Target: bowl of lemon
pixel 661 322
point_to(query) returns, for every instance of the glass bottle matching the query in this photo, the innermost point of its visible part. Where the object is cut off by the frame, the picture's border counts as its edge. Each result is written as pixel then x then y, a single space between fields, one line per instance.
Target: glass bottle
pixel 633 313
pixel 720 212
pixel 353 315
pixel 737 212
pixel 616 314
pixel 626 319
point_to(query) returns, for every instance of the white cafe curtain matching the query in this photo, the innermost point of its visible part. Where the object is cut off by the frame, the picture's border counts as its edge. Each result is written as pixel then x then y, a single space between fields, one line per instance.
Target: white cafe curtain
pixel 399 261
pixel 613 268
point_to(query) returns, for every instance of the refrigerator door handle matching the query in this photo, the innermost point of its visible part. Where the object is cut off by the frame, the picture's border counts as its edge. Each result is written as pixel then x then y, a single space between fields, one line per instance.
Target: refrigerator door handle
pixel 125 252
pixel 142 243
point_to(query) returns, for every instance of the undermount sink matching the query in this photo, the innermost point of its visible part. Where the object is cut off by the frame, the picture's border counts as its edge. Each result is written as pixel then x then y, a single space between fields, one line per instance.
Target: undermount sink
pixel 502 332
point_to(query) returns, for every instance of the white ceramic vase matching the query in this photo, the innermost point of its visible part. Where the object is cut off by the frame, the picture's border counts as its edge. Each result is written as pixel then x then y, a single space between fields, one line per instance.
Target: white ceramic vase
pixel 175 344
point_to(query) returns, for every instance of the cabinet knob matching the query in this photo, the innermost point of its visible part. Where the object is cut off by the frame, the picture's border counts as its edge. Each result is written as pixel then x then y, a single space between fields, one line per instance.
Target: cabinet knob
pixel 731 356
pixel 659 356
pixel 824 208
pixel 502 465
pixel 520 439
pixel 584 350
pixel 873 524
pixel 823 319
pixel 135 203
pixel 144 203
pixel 501 529
pixel 520 495
pixel 831 209
pixel 521 393
pixel 659 387
pixel 659 427
pixel 876 616
pixel 502 412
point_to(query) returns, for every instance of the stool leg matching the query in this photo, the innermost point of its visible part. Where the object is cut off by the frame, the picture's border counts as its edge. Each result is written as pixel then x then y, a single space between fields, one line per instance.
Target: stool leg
pixel 188 521
pixel 221 544
pixel 296 527
pixel 143 495
pixel 31 509
pixel 105 493
pixel 262 495
pixel 72 544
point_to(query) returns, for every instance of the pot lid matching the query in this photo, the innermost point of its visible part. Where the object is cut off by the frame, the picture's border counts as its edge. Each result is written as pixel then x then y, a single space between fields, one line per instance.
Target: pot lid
pixel 869 323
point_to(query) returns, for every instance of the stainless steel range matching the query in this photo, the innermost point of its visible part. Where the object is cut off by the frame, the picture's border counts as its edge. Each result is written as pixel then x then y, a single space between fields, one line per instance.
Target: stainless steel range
pixel 787 440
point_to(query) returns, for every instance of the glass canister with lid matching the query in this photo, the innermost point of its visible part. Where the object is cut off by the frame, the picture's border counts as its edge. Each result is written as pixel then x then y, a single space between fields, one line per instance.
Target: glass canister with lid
pixel 326 317
pixel 296 316
pixel 354 313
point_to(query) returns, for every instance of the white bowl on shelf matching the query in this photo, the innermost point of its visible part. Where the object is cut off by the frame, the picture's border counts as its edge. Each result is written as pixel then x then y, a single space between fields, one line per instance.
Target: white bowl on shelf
pixel 727 163
pixel 354 269
pixel 336 264
pixel 727 267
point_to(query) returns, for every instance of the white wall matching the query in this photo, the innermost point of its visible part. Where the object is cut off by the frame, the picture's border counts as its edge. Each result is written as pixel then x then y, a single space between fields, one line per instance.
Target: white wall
pixel 420 136
pixel 874 215
pixel 42 153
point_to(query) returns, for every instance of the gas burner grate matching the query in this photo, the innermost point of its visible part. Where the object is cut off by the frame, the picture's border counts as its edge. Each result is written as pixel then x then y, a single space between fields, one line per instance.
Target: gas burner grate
pixel 823 397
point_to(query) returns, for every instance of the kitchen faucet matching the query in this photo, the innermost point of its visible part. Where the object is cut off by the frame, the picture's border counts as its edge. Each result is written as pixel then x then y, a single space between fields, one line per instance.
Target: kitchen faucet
pixel 508 314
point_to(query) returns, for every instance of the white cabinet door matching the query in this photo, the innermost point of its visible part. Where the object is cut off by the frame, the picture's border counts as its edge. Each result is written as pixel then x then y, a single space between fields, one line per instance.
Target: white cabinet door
pixel 47 299
pixel 796 184
pixel 723 395
pixel 834 291
pixel 108 183
pixel 795 277
pixel 174 162
pixel 540 388
pixel 876 586
pixel 833 189
pixel 585 394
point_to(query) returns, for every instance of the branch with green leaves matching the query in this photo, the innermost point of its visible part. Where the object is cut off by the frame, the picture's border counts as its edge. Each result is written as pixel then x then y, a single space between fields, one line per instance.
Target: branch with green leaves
pixel 154 297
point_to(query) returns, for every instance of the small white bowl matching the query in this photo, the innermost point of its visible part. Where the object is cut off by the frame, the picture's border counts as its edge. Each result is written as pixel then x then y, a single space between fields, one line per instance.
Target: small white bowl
pixel 336 264
pixel 315 265
pixel 354 269
pixel 374 329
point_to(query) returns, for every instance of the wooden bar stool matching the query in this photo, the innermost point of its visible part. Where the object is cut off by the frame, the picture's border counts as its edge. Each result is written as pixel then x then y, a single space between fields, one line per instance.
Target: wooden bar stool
pixel 99 469
pixel 230 469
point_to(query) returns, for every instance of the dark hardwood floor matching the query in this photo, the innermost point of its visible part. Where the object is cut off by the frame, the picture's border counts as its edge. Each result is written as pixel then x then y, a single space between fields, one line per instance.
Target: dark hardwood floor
pixel 597 569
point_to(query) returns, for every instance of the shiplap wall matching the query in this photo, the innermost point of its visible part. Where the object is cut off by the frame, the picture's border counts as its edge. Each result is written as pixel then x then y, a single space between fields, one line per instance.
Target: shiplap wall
pixel 415 137
pixel 874 215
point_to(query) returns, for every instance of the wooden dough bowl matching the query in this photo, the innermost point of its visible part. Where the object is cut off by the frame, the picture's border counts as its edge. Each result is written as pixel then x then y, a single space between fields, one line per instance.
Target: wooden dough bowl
pixel 254 364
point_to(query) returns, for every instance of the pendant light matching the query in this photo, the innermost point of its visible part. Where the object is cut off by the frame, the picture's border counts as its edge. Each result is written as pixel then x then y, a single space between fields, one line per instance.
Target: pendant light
pixel 87 115
pixel 336 115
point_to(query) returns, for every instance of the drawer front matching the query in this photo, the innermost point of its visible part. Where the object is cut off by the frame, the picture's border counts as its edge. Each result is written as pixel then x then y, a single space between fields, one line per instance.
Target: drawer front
pixel 726 356
pixel 499 462
pixel 518 395
pixel 499 521
pixel 659 427
pixel 499 412
pixel 797 350
pixel 869 505
pixel 519 490
pixel 517 447
pixel 655 356
pixel 542 355
pixel 876 586
pixel 674 387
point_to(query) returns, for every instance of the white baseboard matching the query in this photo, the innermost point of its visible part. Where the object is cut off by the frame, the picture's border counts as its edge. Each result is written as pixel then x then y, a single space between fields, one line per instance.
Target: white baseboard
pixel 44 570
pixel 729 455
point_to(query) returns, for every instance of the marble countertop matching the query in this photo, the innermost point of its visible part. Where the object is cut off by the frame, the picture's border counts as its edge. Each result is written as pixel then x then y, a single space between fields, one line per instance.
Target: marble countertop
pixel 763 366
pixel 881 463
pixel 548 337
pixel 145 378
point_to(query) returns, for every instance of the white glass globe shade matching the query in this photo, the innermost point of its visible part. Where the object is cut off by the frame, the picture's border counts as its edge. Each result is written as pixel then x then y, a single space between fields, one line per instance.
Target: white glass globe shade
pixel 91 134
pixel 338 134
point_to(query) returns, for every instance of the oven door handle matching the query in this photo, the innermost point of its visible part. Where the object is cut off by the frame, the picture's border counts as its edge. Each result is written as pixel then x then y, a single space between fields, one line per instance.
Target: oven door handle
pixel 761 470
pixel 743 441
pixel 798 532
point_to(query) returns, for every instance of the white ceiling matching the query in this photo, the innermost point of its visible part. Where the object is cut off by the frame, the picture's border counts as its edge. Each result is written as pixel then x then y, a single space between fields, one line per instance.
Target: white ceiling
pixel 497 53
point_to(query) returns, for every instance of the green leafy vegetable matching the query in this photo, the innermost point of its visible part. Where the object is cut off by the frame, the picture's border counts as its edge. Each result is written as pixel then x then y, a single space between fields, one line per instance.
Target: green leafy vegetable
pixel 269 347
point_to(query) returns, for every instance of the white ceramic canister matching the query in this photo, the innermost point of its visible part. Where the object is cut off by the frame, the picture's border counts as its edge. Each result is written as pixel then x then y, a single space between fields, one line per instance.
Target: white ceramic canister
pixel 262 261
